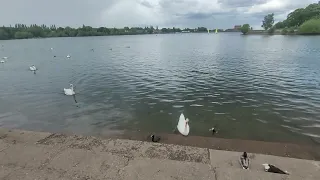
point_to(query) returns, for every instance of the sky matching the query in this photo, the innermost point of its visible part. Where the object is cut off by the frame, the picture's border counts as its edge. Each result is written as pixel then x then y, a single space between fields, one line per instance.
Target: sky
pixel 163 13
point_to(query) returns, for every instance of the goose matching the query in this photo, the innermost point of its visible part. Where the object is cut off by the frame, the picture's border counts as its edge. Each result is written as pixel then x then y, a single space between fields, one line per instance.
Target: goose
pixel 155 138
pixel 70 91
pixel 244 160
pixel 213 130
pixel 273 169
pixel 183 126
pixel 32 68
pixel 68 56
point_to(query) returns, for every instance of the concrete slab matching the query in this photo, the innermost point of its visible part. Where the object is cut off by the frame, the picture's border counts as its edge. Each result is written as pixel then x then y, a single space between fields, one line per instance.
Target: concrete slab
pixel 22 155
pixel 84 163
pixel 155 169
pixel 296 167
pixel 240 174
pixel 20 136
pixel 133 149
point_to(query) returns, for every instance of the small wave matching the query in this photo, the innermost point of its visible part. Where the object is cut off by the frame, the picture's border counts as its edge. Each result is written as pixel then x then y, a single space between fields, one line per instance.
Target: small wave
pixel 187 100
pixel 312 126
pixel 292 128
pixel 178 106
pixel 166 100
pixel 311 135
pixel 196 105
pixel 263 121
pixel 219 113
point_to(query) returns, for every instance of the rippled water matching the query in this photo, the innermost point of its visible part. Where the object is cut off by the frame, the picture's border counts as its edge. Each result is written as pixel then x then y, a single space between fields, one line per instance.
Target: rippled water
pixel 249 87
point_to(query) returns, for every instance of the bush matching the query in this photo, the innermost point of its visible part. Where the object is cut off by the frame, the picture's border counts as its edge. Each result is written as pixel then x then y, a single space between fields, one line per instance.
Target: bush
pixel 284 31
pixel 245 28
pixel 271 30
pixel 291 30
pixel 311 26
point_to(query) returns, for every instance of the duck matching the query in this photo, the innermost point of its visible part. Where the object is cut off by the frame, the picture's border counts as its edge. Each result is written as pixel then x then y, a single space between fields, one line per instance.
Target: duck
pixel 155 138
pixel 213 130
pixel 70 91
pixel 183 125
pixel 32 68
pixel 68 56
pixel 244 160
pixel 273 169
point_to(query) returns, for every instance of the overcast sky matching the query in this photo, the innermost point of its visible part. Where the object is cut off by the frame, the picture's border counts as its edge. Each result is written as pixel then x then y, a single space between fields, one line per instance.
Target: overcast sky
pixel 164 13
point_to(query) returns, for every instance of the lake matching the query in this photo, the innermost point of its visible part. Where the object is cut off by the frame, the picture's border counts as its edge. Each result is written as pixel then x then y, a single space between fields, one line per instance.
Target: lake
pixel 248 87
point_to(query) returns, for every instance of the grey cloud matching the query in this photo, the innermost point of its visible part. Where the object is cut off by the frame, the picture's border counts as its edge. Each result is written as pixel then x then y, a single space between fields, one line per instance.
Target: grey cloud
pixel 120 13
pixel 241 3
pixel 146 4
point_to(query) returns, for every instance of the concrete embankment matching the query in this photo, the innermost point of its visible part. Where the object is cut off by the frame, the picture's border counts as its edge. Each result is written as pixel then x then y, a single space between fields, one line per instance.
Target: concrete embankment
pixel 37 155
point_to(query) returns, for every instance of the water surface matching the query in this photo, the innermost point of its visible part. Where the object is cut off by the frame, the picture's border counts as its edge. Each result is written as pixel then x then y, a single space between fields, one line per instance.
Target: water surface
pixel 249 87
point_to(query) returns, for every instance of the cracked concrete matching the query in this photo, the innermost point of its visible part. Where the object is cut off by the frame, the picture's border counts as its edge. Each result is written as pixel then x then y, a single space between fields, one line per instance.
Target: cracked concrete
pixel 33 155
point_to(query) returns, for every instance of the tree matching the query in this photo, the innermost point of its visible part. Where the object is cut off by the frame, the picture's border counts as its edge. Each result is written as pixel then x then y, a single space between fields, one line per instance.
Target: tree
pixel 311 26
pixel 279 25
pixel 245 28
pixel 268 21
pixel 3 34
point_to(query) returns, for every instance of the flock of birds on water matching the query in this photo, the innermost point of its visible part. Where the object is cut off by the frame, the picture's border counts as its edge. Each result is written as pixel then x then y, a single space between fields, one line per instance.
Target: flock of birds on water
pixel 183 126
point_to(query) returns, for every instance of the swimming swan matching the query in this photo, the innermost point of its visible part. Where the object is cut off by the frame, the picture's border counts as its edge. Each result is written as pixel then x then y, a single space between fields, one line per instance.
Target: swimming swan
pixel 183 126
pixel 70 91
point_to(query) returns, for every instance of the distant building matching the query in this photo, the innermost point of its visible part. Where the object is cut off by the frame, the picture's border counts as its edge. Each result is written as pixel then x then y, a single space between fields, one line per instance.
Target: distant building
pixel 237 27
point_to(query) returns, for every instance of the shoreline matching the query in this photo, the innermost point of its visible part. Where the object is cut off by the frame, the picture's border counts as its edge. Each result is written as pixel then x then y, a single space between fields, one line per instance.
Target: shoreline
pixel 282 149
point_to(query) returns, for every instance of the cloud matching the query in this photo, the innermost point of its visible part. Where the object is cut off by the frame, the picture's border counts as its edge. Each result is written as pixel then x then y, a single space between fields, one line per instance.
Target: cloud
pixel 162 13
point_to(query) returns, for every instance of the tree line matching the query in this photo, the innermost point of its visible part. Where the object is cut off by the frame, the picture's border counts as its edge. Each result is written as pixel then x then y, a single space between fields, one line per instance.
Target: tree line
pixel 300 21
pixel 22 31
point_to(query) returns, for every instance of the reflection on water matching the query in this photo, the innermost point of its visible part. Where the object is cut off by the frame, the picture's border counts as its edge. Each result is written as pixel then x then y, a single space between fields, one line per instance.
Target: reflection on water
pixel 253 87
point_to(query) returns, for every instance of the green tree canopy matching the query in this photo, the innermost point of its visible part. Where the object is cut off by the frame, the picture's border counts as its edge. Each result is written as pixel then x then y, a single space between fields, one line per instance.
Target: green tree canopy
pixel 268 21
pixel 301 15
pixel 245 28
pixel 311 26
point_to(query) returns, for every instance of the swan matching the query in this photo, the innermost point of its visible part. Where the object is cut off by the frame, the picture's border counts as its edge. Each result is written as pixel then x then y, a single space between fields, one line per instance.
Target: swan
pixel 68 56
pixel 70 91
pixel 32 68
pixel 183 126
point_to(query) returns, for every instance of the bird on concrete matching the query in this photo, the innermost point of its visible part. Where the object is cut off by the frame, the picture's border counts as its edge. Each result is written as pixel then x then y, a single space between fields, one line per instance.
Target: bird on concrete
pixel 273 169
pixel 155 138
pixel 244 160
pixel 213 130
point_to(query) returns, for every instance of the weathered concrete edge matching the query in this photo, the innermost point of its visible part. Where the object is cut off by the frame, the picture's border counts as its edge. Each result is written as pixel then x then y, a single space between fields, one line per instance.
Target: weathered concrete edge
pixel 132 148
pixel 220 162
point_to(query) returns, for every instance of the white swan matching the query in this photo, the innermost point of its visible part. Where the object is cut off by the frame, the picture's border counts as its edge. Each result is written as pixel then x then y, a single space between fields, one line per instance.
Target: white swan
pixel 68 56
pixel 70 91
pixel 183 126
pixel 32 68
